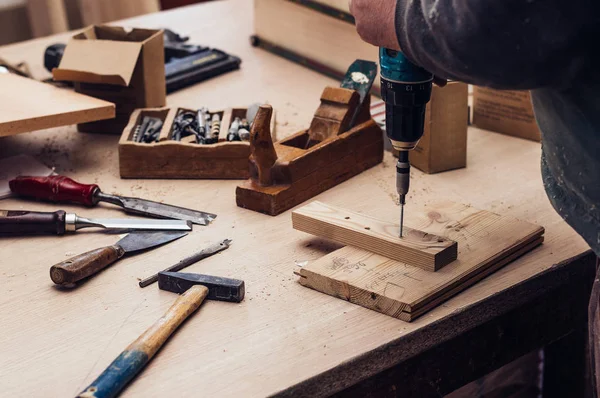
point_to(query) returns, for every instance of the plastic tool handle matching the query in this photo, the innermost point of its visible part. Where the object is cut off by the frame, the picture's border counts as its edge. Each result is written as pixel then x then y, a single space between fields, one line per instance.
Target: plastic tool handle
pixel 55 189
pixel 84 265
pixel 140 352
pixel 31 222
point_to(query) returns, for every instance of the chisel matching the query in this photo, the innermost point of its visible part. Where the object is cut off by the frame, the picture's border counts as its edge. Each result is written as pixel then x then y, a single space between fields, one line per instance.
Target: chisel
pixel 64 189
pixel 84 265
pixel 16 222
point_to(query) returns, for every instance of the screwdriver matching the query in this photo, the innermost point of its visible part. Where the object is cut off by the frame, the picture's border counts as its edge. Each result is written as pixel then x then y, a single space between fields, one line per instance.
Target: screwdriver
pixel 64 189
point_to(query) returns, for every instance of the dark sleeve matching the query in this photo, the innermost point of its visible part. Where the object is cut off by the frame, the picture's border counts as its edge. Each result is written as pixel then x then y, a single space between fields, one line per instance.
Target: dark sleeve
pixel 512 44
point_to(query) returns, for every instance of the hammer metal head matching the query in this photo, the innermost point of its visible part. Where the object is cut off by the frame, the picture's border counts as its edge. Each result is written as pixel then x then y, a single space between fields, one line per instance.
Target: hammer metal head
pixel 222 289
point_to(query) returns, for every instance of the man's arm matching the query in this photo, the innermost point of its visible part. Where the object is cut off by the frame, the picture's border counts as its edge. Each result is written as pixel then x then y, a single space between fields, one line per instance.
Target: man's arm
pixel 517 44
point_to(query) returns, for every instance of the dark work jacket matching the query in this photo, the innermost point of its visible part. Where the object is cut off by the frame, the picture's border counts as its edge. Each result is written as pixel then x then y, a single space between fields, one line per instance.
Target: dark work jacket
pixel 550 47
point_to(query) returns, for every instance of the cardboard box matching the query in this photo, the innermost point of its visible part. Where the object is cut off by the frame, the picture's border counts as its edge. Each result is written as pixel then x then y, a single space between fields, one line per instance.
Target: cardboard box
pixel 125 67
pixel 507 112
pixel 444 143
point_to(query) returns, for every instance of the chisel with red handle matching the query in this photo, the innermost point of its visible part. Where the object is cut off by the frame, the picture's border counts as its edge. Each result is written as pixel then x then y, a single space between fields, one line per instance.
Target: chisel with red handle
pixel 64 189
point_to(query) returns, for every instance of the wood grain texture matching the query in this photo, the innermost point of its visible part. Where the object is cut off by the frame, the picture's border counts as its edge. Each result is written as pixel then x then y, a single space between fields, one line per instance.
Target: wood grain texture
pixel 332 116
pixel 283 338
pixel 28 105
pixel 417 248
pixel 314 35
pixel 262 153
pixel 135 357
pixel 486 241
pixel 443 146
pixel 86 264
pixel 305 166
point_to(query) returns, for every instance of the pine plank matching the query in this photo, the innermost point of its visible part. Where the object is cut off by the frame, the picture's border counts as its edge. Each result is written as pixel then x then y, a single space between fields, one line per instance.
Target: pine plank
pixel 486 241
pixel 417 248
pixel 28 105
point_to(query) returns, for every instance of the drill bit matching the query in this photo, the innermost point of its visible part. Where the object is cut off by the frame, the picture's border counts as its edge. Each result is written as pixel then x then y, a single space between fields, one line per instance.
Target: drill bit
pixel 402 183
pixel 401 215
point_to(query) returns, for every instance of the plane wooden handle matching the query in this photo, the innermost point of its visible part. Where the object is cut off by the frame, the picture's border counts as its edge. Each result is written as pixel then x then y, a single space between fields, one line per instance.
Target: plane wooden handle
pixel 262 152
pixel 54 189
pixel 31 222
pixel 84 265
pixel 140 352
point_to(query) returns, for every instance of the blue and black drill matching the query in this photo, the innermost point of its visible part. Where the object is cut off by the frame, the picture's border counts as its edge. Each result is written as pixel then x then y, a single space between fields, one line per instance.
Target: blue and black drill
pixel 406 90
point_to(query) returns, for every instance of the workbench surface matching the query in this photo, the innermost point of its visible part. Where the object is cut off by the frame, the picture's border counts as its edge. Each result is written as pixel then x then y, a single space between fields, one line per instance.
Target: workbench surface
pixel 283 337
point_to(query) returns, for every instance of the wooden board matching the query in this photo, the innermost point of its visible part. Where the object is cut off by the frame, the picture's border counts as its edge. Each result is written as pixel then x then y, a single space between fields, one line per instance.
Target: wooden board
pixel 417 248
pixel 329 41
pixel 486 241
pixel 28 105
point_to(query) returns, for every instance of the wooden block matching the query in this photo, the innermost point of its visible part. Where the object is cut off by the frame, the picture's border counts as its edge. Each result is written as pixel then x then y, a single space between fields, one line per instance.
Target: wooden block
pixel 486 241
pixel 443 146
pixel 28 105
pixel 417 248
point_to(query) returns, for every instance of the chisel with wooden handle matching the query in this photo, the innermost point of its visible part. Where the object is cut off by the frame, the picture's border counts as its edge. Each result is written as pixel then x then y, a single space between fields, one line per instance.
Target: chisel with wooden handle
pixel 84 265
pixel 16 222
pixel 64 189
pixel 195 289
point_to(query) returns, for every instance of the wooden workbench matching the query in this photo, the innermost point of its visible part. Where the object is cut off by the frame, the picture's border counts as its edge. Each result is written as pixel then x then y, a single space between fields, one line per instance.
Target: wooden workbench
pixel 283 338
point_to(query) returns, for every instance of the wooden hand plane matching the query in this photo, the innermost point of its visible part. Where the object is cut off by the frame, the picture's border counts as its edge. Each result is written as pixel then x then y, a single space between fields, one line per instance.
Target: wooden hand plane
pixel 341 142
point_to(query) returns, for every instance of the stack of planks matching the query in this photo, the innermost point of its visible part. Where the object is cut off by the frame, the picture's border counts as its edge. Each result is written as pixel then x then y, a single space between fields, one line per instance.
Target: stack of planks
pixel 404 287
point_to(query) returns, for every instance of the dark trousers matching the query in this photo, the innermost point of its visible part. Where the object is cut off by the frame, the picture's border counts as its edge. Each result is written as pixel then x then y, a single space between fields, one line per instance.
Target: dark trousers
pixel 594 331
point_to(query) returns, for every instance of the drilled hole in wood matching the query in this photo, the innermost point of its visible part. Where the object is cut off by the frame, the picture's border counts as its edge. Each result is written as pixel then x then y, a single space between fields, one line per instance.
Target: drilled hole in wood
pixel 367 228
pixel 440 240
pixel 346 218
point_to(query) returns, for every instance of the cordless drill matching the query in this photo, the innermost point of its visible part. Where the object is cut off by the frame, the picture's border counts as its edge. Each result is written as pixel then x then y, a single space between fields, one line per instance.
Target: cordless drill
pixel 406 90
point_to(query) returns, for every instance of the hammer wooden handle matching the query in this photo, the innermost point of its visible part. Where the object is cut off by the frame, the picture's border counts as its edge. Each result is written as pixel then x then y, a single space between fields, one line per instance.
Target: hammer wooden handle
pixel 54 189
pixel 86 264
pixel 140 352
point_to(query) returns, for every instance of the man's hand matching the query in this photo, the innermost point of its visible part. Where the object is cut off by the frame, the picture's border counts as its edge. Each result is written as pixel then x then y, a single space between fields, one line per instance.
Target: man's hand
pixel 376 22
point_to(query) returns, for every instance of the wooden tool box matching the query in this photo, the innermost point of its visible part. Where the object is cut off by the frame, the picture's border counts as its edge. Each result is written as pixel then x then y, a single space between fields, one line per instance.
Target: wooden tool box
pixel 179 159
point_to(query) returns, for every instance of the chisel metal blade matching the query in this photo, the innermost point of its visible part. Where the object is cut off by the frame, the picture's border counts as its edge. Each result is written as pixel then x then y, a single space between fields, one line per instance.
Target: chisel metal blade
pixel 145 225
pixel 142 240
pixel 155 209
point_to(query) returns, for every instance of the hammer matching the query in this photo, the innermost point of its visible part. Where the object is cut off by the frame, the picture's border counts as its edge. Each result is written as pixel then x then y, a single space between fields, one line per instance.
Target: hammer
pixel 195 288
